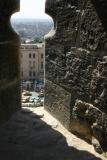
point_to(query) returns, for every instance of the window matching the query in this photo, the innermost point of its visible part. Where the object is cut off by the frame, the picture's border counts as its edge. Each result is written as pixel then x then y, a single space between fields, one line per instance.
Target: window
pixel 30 55
pixel 30 73
pixel 33 63
pixel 29 63
pixel 41 65
pixel 34 74
pixel 42 56
pixel 22 74
pixel 33 55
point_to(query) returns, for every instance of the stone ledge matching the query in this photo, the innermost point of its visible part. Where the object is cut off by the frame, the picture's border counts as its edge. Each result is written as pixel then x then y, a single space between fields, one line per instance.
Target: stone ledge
pixel 93 123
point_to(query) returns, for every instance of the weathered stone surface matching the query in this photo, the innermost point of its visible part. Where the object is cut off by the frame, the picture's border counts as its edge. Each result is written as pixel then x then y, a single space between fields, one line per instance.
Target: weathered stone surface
pixel 39 139
pixel 9 61
pixel 58 102
pixel 76 61
pixel 94 120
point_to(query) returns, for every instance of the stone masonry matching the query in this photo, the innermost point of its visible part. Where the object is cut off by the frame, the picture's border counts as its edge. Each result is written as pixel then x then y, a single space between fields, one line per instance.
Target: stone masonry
pixel 9 62
pixel 76 68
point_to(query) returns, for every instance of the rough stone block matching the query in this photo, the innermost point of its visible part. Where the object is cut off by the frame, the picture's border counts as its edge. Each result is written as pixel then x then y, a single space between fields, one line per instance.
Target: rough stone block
pixel 57 102
pixel 76 62
pixel 10 98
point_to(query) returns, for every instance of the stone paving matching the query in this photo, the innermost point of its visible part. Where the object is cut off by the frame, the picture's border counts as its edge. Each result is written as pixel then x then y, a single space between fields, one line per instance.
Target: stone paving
pixel 33 134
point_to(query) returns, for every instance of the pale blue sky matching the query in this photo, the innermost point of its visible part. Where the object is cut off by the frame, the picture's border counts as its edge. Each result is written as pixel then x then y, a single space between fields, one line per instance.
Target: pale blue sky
pixel 31 9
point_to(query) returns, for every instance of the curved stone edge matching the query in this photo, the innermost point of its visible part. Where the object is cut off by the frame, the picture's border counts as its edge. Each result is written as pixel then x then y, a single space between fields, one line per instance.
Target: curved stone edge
pixel 10 92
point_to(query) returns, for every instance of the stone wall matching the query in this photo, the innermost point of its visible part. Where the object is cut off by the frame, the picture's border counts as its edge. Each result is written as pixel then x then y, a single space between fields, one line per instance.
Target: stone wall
pixel 76 68
pixel 10 100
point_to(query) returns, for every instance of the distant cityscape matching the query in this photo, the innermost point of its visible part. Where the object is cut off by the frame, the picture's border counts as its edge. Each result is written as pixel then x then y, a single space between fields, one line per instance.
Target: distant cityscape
pixel 32 30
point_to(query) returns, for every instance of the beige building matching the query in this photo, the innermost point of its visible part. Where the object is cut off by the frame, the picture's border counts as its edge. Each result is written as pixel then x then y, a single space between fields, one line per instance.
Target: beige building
pixel 32 61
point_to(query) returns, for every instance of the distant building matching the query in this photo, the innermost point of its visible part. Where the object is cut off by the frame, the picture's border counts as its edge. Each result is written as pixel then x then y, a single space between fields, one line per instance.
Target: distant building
pixel 32 62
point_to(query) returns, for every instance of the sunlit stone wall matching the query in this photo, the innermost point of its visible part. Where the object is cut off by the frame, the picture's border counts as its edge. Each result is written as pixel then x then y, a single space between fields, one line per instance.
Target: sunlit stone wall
pixel 76 68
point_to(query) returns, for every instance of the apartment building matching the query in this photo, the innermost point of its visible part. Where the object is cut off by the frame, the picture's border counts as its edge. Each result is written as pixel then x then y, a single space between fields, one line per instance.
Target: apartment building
pixel 32 62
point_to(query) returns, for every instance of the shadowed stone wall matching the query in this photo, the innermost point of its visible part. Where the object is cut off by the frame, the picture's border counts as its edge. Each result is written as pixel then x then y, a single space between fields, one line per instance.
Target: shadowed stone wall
pixel 9 61
pixel 76 68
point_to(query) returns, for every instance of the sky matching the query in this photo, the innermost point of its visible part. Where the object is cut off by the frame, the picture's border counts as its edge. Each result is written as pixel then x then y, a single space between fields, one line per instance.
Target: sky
pixel 32 9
